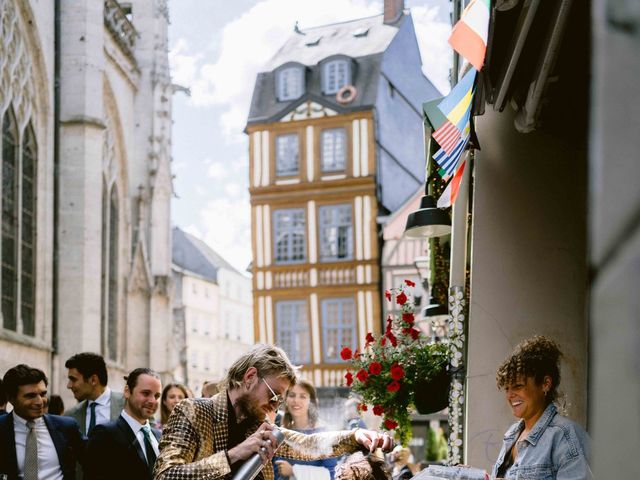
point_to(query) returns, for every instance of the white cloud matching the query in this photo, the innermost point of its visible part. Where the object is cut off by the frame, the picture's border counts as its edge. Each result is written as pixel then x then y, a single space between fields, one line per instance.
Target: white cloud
pixel 245 45
pixel 227 229
pixel 433 34
pixel 217 170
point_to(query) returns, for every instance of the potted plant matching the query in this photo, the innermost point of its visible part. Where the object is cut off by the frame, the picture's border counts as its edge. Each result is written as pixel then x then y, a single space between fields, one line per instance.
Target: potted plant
pixel 394 366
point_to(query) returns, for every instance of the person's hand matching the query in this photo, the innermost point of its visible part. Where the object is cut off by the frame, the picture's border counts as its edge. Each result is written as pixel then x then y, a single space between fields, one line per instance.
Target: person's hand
pixel 284 468
pixel 262 442
pixel 371 440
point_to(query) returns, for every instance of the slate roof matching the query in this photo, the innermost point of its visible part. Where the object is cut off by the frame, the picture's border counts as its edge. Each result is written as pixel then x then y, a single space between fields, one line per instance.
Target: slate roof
pixel 192 254
pixel 334 39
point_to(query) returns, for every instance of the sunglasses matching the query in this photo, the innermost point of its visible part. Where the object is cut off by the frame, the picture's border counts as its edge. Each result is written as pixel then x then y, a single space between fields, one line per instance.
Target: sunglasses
pixel 276 400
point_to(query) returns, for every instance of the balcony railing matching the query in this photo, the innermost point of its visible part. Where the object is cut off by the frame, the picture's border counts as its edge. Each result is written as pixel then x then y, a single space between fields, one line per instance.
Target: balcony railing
pixel 122 30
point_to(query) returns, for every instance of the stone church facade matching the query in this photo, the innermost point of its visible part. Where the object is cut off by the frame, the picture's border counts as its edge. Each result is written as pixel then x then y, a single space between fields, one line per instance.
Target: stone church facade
pixel 85 113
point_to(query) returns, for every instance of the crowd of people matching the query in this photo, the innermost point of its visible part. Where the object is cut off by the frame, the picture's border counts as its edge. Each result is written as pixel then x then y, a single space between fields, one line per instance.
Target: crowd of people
pixel 114 435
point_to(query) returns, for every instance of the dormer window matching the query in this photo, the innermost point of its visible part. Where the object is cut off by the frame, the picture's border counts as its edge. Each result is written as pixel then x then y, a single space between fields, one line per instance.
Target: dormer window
pixel 290 83
pixel 335 75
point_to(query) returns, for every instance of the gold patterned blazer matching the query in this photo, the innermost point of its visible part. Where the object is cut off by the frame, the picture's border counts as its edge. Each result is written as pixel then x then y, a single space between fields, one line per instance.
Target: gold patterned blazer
pixel 195 438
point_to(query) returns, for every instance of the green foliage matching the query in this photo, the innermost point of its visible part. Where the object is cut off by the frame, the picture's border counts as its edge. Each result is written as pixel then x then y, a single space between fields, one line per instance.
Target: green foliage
pixel 388 372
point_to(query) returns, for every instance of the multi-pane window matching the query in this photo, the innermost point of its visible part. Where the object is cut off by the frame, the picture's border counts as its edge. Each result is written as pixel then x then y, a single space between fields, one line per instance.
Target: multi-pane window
pixel 292 330
pixel 336 233
pixel 9 221
pixel 335 75
pixel 110 272
pixel 289 235
pixel 28 234
pixel 334 149
pixel 287 155
pixel 290 83
pixel 338 327
pixel 18 239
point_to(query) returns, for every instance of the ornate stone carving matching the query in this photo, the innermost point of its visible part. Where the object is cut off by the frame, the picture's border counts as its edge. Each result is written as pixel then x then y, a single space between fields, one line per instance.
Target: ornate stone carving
pixel 122 30
pixel 16 77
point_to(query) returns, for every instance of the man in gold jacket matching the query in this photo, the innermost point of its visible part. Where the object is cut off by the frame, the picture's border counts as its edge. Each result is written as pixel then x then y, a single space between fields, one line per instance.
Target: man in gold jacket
pixel 210 438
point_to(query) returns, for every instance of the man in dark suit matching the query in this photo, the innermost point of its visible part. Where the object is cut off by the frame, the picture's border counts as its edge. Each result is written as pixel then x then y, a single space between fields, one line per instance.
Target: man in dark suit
pixel 3 400
pixel 87 380
pixel 35 445
pixel 127 448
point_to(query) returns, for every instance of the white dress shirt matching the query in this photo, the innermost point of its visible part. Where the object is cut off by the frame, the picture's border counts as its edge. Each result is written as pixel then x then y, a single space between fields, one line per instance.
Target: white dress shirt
pixel 48 463
pixel 137 430
pixel 103 410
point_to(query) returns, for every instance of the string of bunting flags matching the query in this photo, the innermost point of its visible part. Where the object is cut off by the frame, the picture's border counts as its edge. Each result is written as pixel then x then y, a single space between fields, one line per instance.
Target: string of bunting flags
pixel 450 117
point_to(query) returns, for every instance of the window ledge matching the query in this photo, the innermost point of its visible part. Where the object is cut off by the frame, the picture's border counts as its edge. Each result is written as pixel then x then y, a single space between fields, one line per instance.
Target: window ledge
pixel 25 340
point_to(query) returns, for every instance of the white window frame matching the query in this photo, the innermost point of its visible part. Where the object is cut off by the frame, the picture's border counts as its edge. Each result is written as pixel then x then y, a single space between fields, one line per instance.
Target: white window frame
pixel 287 155
pixel 340 333
pixel 333 146
pixel 293 330
pixel 336 232
pixel 290 83
pixel 288 230
pixel 335 75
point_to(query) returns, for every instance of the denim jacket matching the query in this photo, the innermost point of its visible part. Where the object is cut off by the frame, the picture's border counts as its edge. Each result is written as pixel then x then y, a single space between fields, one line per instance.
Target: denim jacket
pixel 555 449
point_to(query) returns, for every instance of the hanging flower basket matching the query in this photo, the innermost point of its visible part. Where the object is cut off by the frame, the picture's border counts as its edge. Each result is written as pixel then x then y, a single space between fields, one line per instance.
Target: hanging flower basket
pixel 432 395
pixel 390 374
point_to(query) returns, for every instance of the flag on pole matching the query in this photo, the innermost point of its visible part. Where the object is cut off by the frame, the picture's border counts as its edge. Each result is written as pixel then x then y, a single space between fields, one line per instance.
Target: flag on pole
pixel 457 105
pixel 450 193
pixel 469 35
pixel 447 136
pixel 433 113
pixel 448 163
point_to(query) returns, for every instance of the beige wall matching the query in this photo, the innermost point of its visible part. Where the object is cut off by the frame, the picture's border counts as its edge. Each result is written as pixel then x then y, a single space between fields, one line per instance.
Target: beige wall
pixel 528 269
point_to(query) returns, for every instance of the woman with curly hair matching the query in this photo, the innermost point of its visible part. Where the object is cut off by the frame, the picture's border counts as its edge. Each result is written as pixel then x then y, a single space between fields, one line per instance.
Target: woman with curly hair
pixel 543 444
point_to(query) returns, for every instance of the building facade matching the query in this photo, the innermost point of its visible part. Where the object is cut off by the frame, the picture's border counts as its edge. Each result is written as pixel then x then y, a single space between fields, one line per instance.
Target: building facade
pixel 335 142
pixel 86 119
pixel 212 309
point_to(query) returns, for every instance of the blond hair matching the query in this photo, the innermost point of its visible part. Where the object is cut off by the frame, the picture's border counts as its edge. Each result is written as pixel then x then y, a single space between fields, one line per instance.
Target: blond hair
pixel 267 359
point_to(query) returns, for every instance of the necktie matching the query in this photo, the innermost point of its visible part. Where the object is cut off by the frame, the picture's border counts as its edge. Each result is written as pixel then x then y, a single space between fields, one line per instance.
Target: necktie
pixel 92 418
pixel 148 448
pixel 31 453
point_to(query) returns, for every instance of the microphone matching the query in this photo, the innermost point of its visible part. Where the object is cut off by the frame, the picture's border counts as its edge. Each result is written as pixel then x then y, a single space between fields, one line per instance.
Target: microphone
pixel 253 466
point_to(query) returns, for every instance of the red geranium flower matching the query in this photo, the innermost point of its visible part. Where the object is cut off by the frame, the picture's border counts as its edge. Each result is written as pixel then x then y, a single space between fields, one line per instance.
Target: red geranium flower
pixel 393 386
pixel 362 375
pixel 362 407
pixel 397 372
pixel 349 378
pixel 387 294
pixel 401 299
pixel 408 317
pixel 410 283
pixel 378 410
pixel 383 341
pixel 392 338
pixel 390 424
pixel 415 333
pixel 369 339
pixel 375 368
pixel 346 353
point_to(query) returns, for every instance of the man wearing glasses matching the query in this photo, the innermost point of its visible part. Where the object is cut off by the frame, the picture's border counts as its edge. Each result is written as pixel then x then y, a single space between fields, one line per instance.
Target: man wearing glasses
pixel 211 438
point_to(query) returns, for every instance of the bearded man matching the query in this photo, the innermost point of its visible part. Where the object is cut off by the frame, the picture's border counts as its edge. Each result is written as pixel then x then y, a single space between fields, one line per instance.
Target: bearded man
pixel 211 438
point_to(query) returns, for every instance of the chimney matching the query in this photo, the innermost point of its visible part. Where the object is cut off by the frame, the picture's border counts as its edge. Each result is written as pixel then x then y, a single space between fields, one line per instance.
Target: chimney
pixel 393 11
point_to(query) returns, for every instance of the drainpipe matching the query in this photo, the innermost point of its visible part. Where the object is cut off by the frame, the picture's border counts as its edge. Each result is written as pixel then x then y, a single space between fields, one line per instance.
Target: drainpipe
pixel 56 184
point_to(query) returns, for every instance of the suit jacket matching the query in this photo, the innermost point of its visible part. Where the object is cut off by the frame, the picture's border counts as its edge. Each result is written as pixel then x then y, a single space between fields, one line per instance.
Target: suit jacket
pixel 196 436
pixel 113 452
pixel 79 411
pixel 67 438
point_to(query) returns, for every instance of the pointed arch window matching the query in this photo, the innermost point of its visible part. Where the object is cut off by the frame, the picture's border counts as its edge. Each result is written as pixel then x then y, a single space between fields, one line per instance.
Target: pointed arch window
pixel 9 237
pixel 109 310
pixel 19 226
pixel 28 232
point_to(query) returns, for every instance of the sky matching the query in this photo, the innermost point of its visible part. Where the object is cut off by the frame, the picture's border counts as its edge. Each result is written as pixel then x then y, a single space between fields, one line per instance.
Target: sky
pixel 217 47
